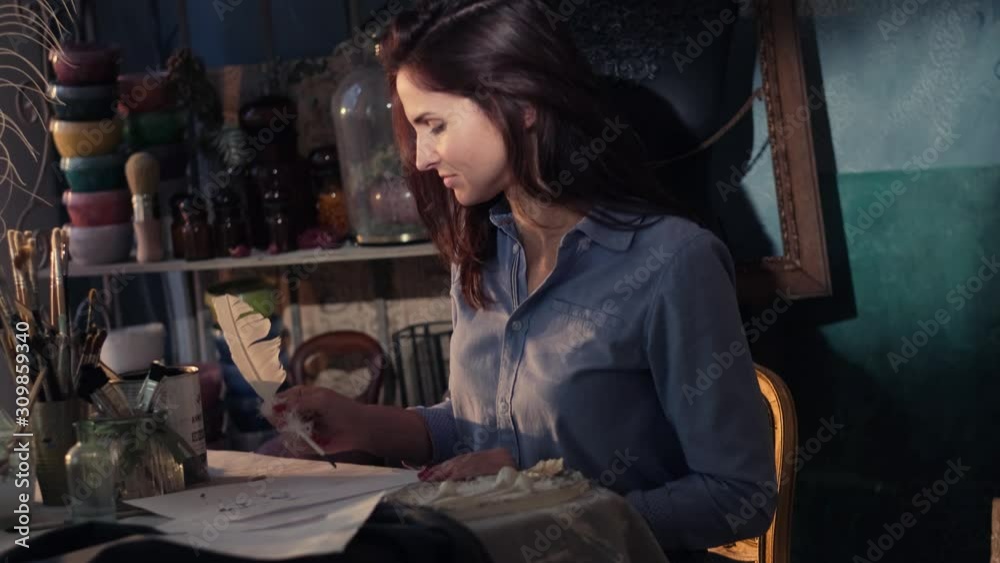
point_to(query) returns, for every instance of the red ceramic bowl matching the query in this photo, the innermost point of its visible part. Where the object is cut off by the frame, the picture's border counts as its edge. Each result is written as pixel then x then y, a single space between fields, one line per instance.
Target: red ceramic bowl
pixel 97 209
pixel 78 64
pixel 143 92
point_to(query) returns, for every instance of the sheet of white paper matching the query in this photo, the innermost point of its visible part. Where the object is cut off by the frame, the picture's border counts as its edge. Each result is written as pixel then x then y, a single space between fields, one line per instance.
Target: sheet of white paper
pixel 264 507
pixel 254 490
pixel 324 533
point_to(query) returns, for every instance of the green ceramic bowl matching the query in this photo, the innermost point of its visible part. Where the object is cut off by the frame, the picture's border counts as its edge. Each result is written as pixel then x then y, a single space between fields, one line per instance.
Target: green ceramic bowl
pixel 260 295
pixel 94 173
pixel 155 128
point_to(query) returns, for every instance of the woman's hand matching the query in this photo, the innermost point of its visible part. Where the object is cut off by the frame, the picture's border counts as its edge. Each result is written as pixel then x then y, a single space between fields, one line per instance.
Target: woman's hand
pixel 486 462
pixel 338 422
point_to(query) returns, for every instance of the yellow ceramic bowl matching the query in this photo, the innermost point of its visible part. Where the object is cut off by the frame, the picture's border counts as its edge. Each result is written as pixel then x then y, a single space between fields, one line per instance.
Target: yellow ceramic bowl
pixel 86 138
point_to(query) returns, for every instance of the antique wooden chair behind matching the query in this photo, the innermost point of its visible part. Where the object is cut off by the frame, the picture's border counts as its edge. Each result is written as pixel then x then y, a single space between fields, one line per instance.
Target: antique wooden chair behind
pixel 774 545
pixel 352 352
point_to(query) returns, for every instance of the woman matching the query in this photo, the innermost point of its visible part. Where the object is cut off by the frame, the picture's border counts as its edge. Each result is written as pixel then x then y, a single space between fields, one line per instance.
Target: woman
pixel 592 321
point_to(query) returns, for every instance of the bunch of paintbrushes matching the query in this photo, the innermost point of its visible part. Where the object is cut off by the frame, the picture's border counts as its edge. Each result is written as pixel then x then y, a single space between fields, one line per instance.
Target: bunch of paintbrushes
pixel 47 343
pixel 45 347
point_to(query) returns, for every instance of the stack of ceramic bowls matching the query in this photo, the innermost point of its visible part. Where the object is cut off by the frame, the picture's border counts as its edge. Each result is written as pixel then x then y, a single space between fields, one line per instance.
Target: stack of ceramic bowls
pixel 153 122
pixel 247 429
pixel 87 133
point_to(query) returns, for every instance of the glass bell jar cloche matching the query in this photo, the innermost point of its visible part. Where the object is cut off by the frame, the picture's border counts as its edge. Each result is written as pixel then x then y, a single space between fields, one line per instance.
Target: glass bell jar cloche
pixel 379 204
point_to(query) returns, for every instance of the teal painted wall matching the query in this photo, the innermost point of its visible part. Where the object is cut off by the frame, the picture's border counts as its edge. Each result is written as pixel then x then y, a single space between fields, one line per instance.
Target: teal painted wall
pixel 902 422
pixel 899 259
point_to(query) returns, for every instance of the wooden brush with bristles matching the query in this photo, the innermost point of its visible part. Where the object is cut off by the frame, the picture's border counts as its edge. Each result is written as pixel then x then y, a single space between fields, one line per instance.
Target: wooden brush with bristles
pixel 142 171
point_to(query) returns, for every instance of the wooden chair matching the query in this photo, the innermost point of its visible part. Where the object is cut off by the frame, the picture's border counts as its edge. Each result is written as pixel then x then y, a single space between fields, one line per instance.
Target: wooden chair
pixel 774 545
pixel 347 350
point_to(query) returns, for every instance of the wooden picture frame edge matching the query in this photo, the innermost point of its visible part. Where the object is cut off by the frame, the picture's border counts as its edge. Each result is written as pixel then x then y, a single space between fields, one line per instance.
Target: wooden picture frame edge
pixel 803 270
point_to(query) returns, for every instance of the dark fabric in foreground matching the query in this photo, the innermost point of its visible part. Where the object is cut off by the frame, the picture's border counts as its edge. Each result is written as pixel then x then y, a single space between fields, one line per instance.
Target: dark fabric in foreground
pixel 391 534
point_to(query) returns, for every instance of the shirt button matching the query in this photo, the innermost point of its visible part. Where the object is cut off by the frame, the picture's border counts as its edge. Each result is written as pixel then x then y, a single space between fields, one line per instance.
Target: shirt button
pixel 517 247
pixel 516 325
pixel 503 406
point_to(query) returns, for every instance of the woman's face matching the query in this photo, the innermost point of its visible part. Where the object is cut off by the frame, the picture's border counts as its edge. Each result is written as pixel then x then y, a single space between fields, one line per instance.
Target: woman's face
pixel 457 140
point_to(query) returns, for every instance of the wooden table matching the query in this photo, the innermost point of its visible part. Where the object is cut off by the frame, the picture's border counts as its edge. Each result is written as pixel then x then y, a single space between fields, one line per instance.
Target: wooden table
pixel 596 527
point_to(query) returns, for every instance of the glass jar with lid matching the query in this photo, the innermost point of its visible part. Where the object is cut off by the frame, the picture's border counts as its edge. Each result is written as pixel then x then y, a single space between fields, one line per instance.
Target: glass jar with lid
pixel 380 206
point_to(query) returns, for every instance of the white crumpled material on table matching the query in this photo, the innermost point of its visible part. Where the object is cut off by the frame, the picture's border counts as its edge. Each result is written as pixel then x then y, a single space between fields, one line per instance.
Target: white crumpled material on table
pixel 542 514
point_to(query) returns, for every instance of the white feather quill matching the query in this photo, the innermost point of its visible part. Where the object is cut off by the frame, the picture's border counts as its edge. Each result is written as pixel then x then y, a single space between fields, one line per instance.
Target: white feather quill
pixel 256 356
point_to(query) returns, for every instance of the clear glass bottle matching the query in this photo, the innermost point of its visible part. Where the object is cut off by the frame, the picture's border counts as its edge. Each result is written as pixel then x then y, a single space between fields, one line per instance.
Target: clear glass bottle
pixel 381 208
pixel 91 478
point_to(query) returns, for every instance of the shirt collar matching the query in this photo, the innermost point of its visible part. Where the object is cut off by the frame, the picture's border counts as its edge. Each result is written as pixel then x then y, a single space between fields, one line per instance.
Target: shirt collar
pixel 614 239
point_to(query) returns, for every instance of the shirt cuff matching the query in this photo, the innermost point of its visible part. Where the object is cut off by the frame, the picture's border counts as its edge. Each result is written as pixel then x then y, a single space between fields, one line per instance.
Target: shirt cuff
pixel 441 427
pixel 656 515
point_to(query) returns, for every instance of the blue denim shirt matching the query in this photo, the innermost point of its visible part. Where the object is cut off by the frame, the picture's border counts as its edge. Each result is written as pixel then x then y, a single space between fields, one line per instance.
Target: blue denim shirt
pixel 629 362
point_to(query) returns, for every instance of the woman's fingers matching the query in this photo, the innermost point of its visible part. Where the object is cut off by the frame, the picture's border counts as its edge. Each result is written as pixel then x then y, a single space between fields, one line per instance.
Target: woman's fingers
pixel 469 465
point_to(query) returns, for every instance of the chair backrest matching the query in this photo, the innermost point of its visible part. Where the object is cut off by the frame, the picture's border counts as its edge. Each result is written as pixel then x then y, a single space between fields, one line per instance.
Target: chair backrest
pixel 345 349
pixel 775 545
pixel 420 354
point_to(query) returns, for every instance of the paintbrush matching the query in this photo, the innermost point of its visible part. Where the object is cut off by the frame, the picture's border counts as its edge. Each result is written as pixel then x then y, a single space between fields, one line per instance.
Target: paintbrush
pixel 57 309
pixel 105 394
pixel 6 311
pixel 14 245
pixel 85 349
pixel 30 272
pixel 148 392
pixel 6 317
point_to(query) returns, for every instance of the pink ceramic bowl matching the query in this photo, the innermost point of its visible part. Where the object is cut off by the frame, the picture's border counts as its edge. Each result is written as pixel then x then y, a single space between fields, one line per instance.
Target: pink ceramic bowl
pixel 78 64
pixel 95 209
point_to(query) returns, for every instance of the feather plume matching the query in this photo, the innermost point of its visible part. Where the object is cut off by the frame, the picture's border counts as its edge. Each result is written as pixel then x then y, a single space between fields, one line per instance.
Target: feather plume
pixel 245 331
pixel 256 356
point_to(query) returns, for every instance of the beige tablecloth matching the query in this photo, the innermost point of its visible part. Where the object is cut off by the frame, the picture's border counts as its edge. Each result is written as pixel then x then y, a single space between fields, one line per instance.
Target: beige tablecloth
pixel 597 527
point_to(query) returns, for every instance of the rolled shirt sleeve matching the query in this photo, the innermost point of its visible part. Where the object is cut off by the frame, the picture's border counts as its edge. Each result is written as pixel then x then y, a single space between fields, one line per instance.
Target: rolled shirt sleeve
pixel 440 421
pixel 440 418
pixel 706 383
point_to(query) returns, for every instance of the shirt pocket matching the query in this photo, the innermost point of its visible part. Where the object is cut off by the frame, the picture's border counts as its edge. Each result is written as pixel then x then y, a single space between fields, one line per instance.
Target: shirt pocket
pixel 578 326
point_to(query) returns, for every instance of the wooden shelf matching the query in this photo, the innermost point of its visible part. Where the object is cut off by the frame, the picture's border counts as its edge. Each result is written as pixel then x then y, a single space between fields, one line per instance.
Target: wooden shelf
pixel 347 253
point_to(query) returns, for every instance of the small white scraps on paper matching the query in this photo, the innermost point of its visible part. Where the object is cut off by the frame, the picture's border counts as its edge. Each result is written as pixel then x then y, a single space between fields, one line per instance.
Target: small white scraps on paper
pixel 277 508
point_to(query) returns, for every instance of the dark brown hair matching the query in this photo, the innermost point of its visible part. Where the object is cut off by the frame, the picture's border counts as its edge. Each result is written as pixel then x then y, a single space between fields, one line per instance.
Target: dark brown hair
pixel 506 56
